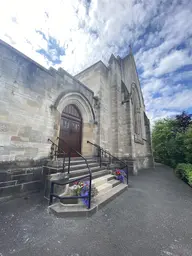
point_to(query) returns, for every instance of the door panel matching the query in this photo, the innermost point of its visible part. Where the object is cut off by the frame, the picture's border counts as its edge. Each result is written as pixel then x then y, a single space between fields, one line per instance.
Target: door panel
pixel 71 129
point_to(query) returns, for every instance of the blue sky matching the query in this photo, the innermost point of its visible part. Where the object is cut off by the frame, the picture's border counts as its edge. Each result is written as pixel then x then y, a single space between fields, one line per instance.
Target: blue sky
pixel 75 34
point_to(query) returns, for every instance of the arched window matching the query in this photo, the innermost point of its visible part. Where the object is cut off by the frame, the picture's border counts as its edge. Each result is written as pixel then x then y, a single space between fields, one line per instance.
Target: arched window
pixel 136 112
pixel 124 92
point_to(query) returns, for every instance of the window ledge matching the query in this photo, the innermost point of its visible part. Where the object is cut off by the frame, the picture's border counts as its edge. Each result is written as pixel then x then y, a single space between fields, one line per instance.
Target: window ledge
pixel 138 140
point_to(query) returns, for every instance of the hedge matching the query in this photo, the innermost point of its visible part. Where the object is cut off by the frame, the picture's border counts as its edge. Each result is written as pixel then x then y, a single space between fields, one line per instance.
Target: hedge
pixel 184 171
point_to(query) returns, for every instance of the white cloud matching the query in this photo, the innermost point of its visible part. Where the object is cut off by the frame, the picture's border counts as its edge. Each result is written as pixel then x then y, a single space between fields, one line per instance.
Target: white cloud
pixel 172 62
pixel 185 75
pixel 90 34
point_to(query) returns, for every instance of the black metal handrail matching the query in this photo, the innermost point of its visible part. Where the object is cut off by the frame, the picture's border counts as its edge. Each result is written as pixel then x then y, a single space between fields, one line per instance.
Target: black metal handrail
pixel 60 183
pixel 56 152
pixel 103 151
pixel 72 149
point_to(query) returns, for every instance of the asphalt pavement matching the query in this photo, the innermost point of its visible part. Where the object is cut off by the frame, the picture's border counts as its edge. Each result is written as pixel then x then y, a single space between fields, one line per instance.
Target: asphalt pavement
pixel 154 217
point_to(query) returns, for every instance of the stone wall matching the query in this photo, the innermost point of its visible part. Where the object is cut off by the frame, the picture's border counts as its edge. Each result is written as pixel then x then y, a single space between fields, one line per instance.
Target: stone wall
pixel 129 147
pixel 116 120
pixel 31 100
pixel 96 78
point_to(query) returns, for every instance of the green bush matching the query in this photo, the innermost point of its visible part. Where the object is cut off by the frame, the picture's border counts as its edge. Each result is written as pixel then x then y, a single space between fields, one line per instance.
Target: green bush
pixel 172 140
pixel 188 144
pixel 184 171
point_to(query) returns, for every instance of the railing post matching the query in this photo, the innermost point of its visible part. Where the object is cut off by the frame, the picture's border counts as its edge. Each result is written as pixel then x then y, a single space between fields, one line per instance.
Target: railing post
pixel 63 161
pixel 69 162
pixel 51 194
pixel 55 151
pixel 127 176
pixel 90 180
pixel 100 157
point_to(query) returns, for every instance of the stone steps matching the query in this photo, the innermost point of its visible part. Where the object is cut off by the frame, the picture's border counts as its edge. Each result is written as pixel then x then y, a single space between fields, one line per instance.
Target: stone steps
pixel 108 188
pixel 72 167
pixel 103 176
pixel 104 188
pixel 81 172
pixel 104 184
pixel 72 210
pixel 78 169
pixel 97 174
pixel 59 163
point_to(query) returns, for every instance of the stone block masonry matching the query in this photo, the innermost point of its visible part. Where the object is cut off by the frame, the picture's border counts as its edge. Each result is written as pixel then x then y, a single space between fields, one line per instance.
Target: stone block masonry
pixel 116 83
pixel 32 99
pixel 27 92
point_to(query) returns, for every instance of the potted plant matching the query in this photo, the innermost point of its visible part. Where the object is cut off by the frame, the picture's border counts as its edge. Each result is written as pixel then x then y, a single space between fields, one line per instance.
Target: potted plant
pixel 82 189
pixel 119 175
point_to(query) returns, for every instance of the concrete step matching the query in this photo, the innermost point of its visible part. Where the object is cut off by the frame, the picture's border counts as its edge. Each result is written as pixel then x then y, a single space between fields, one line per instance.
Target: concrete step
pixel 77 173
pixel 82 166
pixel 102 200
pixel 59 163
pixel 72 168
pixel 101 173
pixel 95 175
pixel 62 210
pixel 104 187
pixel 20 188
pixel 114 182
pixel 103 179
pixel 78 158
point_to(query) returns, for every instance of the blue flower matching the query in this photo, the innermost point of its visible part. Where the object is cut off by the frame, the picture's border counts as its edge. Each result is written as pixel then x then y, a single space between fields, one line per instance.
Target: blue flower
pixel 85 200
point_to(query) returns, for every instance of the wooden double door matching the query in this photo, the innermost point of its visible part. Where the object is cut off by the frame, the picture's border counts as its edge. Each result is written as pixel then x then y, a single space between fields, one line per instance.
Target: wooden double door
pixel 70 130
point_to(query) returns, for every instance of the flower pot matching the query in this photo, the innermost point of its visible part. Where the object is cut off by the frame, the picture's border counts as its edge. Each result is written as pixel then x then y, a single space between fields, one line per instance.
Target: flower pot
pixel 70 201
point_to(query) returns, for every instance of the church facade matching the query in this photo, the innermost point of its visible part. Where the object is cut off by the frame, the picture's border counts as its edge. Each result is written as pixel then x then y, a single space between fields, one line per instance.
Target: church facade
pixel 102 104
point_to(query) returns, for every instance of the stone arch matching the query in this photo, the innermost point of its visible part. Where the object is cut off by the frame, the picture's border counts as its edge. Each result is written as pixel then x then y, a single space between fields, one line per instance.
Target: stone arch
pixel 135 91
pixel 78 99
pixel 88 117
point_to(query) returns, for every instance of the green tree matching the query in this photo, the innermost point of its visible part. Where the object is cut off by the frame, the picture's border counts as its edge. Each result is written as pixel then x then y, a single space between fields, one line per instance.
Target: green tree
pixel 162 134
pixel 188 144
pixel 183 121
pixel 168 138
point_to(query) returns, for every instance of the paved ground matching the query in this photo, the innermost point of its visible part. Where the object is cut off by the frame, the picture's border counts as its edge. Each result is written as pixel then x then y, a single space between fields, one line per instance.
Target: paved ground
pixel 154 217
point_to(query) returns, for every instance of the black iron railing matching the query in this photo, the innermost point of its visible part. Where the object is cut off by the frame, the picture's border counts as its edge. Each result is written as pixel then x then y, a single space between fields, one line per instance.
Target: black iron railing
pixel 62 183
pixel 104 155
pixel 55 149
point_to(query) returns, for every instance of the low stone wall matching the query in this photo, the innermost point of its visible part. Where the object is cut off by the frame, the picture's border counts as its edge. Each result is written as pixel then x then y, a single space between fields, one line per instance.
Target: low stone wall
pixel 18 177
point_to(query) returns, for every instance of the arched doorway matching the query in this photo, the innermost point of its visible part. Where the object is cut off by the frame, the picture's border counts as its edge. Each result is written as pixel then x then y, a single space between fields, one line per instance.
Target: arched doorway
pixel 71 129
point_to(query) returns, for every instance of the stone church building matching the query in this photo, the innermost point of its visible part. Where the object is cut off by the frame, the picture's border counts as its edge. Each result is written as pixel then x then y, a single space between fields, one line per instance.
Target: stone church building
pixel 102 104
